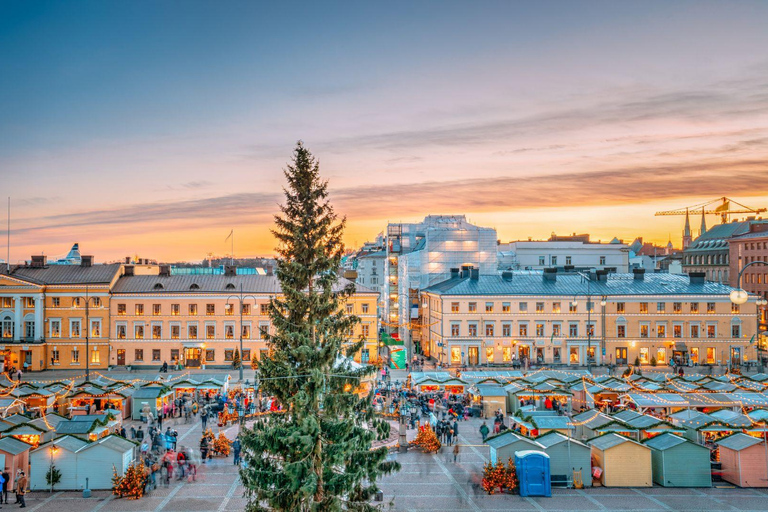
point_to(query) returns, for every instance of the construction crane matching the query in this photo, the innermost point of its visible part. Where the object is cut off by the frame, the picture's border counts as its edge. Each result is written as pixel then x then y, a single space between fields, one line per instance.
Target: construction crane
pixel 724 209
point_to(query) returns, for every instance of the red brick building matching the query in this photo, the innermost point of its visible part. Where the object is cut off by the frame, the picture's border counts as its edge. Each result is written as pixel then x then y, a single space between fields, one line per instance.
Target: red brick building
pixel 745 249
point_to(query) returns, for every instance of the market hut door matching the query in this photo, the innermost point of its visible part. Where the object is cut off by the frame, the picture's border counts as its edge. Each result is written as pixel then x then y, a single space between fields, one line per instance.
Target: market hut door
pixel 121 357
pixel 192 357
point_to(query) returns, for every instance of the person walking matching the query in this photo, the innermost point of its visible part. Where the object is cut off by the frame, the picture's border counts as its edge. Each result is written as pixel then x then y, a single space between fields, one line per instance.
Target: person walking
pixel 484 430
pixel 16 485
pixel 6 484
pixel 236 450
pixel 204 449
pixel 456 429
pixel 455 452
pixel 204 417
pixel 21 489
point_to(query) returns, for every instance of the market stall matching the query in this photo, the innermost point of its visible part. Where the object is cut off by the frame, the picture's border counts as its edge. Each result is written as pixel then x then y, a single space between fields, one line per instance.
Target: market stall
pixel 678 462
pixel 743 460
pixel 621 462
pixel 149 400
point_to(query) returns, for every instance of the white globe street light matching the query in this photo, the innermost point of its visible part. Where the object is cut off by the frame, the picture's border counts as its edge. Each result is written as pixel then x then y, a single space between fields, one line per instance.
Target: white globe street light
pixel 739 296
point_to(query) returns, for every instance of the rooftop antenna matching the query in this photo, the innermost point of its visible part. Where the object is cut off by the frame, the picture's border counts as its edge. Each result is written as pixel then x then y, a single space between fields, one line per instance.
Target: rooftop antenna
pixel 8 240
pixel 232 254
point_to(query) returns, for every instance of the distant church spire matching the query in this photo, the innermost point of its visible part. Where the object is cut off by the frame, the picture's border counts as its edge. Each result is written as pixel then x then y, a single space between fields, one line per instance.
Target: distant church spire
pixel 687 239
pixel 703 223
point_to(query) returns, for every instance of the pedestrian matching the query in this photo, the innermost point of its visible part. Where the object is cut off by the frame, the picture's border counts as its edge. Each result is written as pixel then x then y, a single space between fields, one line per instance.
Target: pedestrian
pixel 204 448
pixel 21 489
pixel 204 417
pixel 455 452
pixel 456 429
pixel 484 430
pixel 6 484
pixel 16 484
pixel 122 432
pixel 448 434
pixel 236 450
pixel 139 435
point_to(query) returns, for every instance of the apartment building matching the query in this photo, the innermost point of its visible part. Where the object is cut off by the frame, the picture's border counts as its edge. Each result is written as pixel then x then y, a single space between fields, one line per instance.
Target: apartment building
pixel 564 318
pixel 572 251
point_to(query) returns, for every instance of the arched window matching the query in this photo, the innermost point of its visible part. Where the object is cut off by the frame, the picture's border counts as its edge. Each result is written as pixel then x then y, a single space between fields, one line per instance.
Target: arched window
pixel 230 286
pixel 159 286
pixel 194 286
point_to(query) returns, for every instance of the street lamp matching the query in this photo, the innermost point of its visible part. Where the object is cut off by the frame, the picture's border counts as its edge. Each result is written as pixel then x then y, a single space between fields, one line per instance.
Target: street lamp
pixel 240 300
pixel 740 296
pixel 53 451
pixel 87 300
pixel 589 318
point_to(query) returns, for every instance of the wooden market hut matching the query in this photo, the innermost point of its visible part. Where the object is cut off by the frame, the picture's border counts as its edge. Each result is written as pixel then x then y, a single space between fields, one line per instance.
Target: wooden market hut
pixel 149 399
pixel 678 462
pixel 15 454
pixel 210 388
pixel 503 446
pixel 566 455
pixel 10 406
pixel 88 427
pixel 91 399
pixel 623 462
pixel 743 460
pixel 588 422
pixel 537 423
pixel 27 432
pixel 520 393
pixel 490 398
pixel 37 399
pixel 185 387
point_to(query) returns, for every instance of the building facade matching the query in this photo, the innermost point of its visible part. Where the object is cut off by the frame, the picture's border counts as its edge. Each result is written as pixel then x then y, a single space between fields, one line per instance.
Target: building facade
pixel 745 249
pixel 575 251
pixel 553 318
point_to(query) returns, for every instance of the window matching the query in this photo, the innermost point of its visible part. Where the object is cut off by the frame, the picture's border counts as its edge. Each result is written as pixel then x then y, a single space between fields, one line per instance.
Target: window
pixel 489 354
pixel 139 309
pixel 473 329
pixel 174 354
pixel 55 328
pixel 210 331
pixel 661 330
pixel 7 302
pixel 677 307
pixel 364 308
pixel 473 307
pixel 350 309
pixel 365 330
pixel 694 354
pixel 620 308
pixel 694 307
pixel 193 310
pixel 710 307
pixel 155 309
pixel 489 307
pixel 96 328
pixel 522 307
pixel 643 307
pixel 210 309
pixel 554 260
pixel 121 309
pixel 568 260
pixel 229 331
pixel 210 355
pixel 454 307
pixel 229 309
pixel 175 309
pixel 621 331
pixel 711 331
pixel 74 329
pixel 263 330
pixel 644 359
pixel 602 260
pixel 661 307
pixel 736 331
pixel 661 355
pixel 505 307
pixel 175 331
pixel 76 355
pixel 121 332
pixel 264 309
pixel 8 327
pixel 694 330
pixel 555 307
pixel 711 353
pixel 157 332
pixel 573 330
pixel 246 331
pixel 574 355
pixel 556 358
pixel 55 355
pixel 489 330
pixel 539 307
pixel 95 356
pixel 246 354
pixel 677 331
pixel 539 329
pixel 455 355
pixel 138 354
pixel 246 309
pixel 155 354
pixel 591 330
pixel 541 260
pixel 573 307
pixel 192 331
pixel 735 309
pixel 523 329
pixel 55 302
pixel 138 331
pixel 557 330
pixel 506 354
pixel 29 302
pixel 29 329
pixel 506 330
pixel 454 329
pixel 644 330
pixel 76 302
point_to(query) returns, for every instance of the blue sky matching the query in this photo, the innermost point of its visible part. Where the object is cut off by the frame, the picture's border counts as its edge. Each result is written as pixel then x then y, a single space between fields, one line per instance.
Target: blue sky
pixel 123 121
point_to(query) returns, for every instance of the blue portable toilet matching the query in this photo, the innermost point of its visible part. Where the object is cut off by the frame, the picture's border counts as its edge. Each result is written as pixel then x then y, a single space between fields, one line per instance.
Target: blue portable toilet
pixel 532 468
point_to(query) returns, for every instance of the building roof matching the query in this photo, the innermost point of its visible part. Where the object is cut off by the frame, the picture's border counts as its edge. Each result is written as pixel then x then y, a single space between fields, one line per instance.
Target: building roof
pixel 150 392
pixel 13 446
pixel 211 284
pixel 528 283
pixel 666 441
pixel 552 438
pixel 716 237
pixel 115 442
pixel 507 438
pixel 608 441
pixel 738 441
pixel 68 274
pixel 76 427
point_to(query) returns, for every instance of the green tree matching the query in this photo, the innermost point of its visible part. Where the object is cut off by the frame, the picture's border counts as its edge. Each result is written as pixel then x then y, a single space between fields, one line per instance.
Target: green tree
pixel 52 476
pixel 236 359
pixel 317 456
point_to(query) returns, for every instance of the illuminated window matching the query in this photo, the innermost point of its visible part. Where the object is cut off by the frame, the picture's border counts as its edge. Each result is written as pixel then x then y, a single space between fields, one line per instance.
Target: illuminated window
pixel 574 355
pixel 29 302
pixel 55 328
pixel 55 302
pixel 96 328
pixel 157 332
pixel 229 331
pixel 365 330
pixel 621 331
pixel 710 307
pixel 473 307
pixel 192 331
pixel 455 329
pixel 473 329
pixel 175 309
pixel 712 331
pixel 539 329
pixel 210 355
pixel 155 354
pixel 711 353
pixel 264 308
pixel 246 308
pixel 246 354
pixel 590 329
pixel 55 355
pixel 677 331
pixel 620 307
pixel 210 331
pixel 555 307
pixel 139 354
pixel 661 355
pixel 76 302
pixel 644 357
pixel 75 355
pixel 677 307
pixel 643 307
pixel 735 309
pixel 229 309
pixel 694 354
pixel 138 332
pixel 350 308
pixel 121 332
pixel 139 309
pixel 74 328
pixel 505 307
pixel 246 331
pixel 539 307
pixel 573 308
pixel 644 330
pixel 193 310
pixel 175 331
pixel 489 330
pixel 364 307
pixel 523 329
pixel 506 330
pixel 489 354
pixel 95 356
pixel 210 309
pixel 694 330
pixel 694 307
pixel 156 309
pixel 455 355
pixel 489 307
pixel 506 354
pixel 263 330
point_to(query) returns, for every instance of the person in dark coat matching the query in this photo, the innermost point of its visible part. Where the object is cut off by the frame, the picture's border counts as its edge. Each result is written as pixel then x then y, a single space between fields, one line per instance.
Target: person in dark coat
pixel 6 484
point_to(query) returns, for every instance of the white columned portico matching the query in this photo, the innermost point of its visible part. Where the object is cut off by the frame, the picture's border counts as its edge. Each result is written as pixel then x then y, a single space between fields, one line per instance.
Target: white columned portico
pixel 39 327
pixel 17 319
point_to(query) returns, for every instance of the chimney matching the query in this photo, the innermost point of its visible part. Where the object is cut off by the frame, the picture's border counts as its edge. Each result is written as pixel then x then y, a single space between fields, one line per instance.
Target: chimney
pixel 550 274
pixel 128 270
pixel 507 275
pixel 165 270
pixel 602 275
pixel 38 261
pixel 454 273
pixel 465 270
pixel 231 270
pixel 86 261
pixel 639 274
pixel 568 268
pixel 270 270
pixel 127 260
pixel 697 277
pixel 474 274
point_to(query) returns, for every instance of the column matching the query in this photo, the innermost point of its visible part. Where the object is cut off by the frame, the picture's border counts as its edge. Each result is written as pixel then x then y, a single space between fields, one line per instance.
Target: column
pixel 18 332
pixel 39 321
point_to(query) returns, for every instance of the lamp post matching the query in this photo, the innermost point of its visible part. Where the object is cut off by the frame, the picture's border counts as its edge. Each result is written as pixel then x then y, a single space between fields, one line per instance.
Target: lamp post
pixel 53 450
pixel 87 300
pixel 240 300
pixel 739 296
pixel 589 318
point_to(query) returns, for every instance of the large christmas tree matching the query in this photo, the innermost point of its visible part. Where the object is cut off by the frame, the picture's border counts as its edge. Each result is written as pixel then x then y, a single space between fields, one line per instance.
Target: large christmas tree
pixel 318 455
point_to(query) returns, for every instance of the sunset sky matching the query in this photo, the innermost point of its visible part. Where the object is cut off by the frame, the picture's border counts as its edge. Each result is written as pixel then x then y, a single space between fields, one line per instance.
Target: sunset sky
pixel 154 128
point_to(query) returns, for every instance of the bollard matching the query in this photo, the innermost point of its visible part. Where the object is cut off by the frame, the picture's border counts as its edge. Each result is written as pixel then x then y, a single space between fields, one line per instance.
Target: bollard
pixel 86 491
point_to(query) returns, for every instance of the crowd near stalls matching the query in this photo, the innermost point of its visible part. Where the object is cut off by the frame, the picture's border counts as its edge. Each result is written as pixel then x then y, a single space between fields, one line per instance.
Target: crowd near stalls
pixel 633 425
